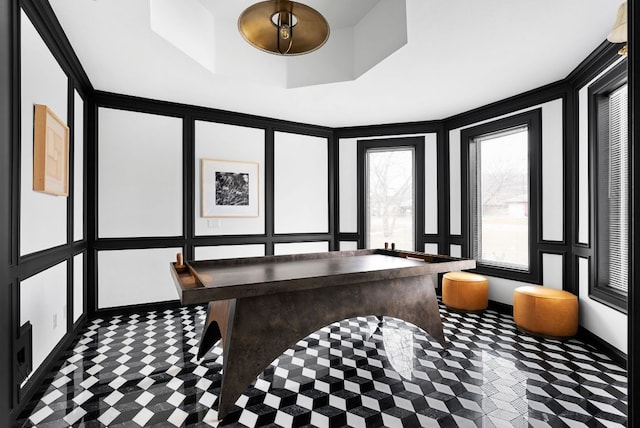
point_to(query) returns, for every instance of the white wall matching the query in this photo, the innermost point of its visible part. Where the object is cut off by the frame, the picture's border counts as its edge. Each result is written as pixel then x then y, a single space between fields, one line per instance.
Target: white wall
pixel 139 174
pixel 552 198
pixel 78 286
pixel 43 301
pixel 228 142
pixel 348 184
pixel 300 248
pixel 431 183
pixel 131 277
pixel 301 183
pixel 348 245
pixel 43 217
pixel 228 251
pixel 78 167
pixel 601 320
pixel 552 270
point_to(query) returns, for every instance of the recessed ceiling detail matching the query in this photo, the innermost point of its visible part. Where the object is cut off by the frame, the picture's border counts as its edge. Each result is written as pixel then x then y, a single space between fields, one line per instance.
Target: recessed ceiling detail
pixel 187 25
pixel 370 32
pixel 386 61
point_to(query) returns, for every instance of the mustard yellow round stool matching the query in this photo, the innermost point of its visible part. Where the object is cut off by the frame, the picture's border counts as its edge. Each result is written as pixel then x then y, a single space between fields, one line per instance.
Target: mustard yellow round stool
pixel 545 311
pixel 465 291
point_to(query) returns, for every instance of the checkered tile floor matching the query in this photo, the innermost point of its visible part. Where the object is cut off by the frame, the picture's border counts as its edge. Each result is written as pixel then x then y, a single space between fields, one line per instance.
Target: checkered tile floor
pixel 141 370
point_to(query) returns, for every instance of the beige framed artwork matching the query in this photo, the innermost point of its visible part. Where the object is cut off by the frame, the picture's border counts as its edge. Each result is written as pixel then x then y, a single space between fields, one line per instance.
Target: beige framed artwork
pixel 50 152
pixel 229 188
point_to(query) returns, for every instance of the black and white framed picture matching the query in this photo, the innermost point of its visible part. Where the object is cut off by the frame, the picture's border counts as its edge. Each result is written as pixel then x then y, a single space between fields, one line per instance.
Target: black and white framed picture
pixel 229 188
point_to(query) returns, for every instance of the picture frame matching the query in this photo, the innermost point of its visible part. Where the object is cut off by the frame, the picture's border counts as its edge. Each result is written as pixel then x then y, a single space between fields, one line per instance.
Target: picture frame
pixel 50 152
pixel 229 188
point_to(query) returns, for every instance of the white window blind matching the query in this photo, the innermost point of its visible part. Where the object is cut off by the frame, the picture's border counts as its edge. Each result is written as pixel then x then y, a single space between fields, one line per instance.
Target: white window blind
pixel 618 190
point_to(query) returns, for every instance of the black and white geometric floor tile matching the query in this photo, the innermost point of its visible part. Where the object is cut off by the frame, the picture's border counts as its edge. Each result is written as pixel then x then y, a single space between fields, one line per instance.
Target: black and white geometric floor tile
pixel 141 370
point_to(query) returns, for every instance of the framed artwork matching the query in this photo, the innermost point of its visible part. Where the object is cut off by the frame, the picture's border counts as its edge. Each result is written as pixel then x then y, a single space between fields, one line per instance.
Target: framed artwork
pixel 229 188
pixel 50 152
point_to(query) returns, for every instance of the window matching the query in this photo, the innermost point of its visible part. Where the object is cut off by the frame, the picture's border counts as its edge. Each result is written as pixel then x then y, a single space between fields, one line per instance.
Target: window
pixel 500 198
pixel 499 170
pixel 610 187
pixel 391 192
pixel 390 198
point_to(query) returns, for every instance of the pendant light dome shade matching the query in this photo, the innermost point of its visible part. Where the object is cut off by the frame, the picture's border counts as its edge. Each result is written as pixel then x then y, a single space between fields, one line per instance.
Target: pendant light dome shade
pixel 618 33
pixel 283 27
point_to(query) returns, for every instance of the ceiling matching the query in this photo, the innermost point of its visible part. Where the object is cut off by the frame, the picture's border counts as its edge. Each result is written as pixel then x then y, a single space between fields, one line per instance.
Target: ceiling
pixel 457 55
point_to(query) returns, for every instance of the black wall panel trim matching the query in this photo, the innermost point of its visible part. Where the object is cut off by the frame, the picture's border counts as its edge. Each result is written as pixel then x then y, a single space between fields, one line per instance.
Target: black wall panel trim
pixel 396 129
pixel 46 22
pixel 529 99
pixel 9 127
pixel 14 267
pixel 601 57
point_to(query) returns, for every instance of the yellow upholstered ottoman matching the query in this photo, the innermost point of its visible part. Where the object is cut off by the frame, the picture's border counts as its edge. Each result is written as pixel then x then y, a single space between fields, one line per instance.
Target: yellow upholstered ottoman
pixel 465 291
pixel 545 311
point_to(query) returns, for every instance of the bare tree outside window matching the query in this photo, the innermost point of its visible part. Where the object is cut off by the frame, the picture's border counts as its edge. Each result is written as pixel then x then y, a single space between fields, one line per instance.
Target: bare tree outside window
pixel 502 198
pixel 390 198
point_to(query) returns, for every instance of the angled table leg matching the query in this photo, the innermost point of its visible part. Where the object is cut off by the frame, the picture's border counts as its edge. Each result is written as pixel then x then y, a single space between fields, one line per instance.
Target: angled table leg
pixel 215 326
pixel 261 328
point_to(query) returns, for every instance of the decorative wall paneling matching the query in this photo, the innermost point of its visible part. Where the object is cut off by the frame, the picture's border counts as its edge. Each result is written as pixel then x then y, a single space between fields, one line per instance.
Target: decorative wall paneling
pixel 15 268
pixel 197 120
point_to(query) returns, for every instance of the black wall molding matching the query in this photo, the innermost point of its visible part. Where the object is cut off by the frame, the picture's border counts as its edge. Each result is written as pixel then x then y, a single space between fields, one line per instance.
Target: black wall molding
pixel 513 104
pixel 390 130
pixel 601 58
pixel 46 22
pixel 16 267
pixel 9 131
pixel 198 113
pixel 614 353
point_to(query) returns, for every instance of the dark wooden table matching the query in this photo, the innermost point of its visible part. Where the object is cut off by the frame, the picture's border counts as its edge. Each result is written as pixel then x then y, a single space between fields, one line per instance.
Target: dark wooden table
pixel 261 306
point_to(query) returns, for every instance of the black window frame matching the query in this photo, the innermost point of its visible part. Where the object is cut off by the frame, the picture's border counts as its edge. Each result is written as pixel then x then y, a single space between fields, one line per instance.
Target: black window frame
pixel 532 119
pixel 598 92
pixel 417 144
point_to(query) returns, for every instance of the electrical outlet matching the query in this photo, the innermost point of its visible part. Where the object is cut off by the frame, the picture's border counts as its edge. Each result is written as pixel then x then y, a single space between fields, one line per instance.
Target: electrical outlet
pixel 55 321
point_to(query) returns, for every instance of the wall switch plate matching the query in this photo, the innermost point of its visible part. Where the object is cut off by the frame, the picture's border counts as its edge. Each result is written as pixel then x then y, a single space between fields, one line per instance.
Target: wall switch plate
pixel 55 321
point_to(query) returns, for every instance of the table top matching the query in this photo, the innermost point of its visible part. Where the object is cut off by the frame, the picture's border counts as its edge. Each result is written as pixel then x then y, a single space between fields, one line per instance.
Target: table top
pixel 203 281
